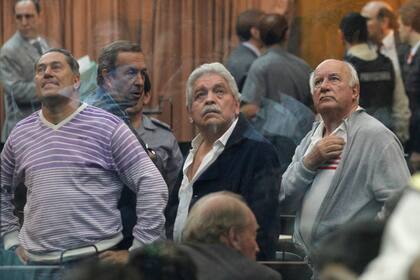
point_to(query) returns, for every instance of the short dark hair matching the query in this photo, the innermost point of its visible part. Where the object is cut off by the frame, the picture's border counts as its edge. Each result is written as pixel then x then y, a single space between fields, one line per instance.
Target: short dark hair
pixel 108 57
pixel 273 28
pixel 35 2
pixel 353 26
pixel 71 61
pixel 163 261
pixel 245 21
pixel 354 246
pixel 410 14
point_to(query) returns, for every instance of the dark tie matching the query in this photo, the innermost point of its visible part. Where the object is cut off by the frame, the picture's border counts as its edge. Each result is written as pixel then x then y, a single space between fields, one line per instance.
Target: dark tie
pixel 37 45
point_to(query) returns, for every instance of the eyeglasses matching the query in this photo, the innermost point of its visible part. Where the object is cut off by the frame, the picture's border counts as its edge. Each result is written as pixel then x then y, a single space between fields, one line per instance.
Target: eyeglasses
pixel 26 16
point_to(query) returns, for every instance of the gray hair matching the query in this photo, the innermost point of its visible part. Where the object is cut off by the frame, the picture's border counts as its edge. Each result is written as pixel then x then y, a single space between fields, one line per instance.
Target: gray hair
pixel 354 78
pixel 207 223
pixel 210 68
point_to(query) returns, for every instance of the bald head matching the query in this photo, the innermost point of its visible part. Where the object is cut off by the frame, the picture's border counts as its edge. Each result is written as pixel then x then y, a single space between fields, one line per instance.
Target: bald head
pixel 380 20
pixel 223 217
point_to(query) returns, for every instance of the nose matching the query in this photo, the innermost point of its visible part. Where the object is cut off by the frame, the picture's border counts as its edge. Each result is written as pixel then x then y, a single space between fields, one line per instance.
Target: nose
pixel 139 79
pixel 210 97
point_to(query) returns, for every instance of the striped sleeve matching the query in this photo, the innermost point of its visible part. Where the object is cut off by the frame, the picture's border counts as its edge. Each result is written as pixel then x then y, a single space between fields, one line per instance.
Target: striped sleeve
pixel 8 221
pixel 139 173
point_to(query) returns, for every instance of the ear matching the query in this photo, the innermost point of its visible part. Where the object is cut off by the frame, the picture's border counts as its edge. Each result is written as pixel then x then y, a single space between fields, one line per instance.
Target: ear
pixel 234 239
pixel 237 107
pixel 147 96
pixel 76 82
pixel 107 79
pixel 355 93
pixel 255 32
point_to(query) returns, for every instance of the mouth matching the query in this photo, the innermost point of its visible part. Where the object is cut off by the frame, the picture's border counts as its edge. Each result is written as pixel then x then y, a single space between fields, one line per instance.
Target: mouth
pixel 49 84
pixel 326 98
pixel 210 111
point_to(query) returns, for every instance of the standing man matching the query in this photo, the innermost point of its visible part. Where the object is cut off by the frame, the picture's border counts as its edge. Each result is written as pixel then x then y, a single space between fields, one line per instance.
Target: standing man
pixel 249 49
pixel 74 160
pixel 347 166
pixel 17 57
pixel 277 72
pixel 382 31
pixel 376 72
pixel 227 154
pixel 124 89
pixel 410 33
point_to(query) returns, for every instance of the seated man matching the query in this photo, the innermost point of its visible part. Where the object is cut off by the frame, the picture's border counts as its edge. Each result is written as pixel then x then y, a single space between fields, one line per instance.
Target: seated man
pixel 346 167
pixel 220 237
pixel 74 160
pixel 227 154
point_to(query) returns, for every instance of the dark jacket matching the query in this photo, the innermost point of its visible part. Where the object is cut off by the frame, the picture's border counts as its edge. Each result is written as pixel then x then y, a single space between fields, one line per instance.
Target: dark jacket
pixel 248 166
pixel 217 262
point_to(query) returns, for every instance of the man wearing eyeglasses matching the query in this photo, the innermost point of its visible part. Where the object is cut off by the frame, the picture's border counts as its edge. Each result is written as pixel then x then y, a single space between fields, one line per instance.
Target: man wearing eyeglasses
pixel 17 57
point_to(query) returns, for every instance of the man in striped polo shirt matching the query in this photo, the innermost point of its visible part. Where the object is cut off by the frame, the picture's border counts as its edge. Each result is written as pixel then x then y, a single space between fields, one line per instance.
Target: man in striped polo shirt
pixel 74 160
pixel 347 166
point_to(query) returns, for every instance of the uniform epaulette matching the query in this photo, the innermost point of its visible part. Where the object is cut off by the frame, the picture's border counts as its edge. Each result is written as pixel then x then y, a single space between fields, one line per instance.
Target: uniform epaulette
pixel 161 124
pixel 415 182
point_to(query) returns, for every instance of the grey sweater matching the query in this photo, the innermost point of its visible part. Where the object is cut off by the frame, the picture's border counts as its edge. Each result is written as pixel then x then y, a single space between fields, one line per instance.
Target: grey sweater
pixel 371 169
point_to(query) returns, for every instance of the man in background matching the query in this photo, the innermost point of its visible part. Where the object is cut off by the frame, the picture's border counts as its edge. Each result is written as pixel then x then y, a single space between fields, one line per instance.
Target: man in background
pixel 17 58
pixel 383 34
pixel 249 49
pixel 375 71
pixel 410 34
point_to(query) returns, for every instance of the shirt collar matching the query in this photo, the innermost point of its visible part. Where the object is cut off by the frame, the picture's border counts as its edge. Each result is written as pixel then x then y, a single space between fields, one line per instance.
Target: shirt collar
pixel 252 48
pixel 362 51
pixel 195 143
pixel 388 42
pixel 414 49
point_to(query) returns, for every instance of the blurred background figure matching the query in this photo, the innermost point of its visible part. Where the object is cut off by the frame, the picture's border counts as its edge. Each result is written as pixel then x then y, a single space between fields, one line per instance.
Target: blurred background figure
pixel 383 35
pixel 17 59
pixel 400 245
pixel 249 49
pixel 375 71
pixel 410 33
pixel 345 253
pixel 163 261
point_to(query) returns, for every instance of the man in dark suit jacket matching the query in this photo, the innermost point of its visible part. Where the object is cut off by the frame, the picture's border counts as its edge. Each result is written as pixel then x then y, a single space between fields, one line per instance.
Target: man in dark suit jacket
pixel 248 50
pixel 17 59
pixel 220 239
pixel 410 33
pixel 227 154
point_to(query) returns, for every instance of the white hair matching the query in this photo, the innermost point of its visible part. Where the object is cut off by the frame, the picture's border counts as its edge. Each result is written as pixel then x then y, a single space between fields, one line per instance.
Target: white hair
pixel 210 68
pixel 354 78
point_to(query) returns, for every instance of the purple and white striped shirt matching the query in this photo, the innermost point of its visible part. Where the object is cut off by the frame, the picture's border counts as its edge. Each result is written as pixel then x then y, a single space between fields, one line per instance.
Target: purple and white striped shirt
pixel 74 173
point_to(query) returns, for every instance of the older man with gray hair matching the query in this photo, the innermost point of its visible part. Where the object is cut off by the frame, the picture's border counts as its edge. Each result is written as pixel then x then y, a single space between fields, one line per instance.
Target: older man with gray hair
pixel 227 154
pixel 347 166
pixel 220 236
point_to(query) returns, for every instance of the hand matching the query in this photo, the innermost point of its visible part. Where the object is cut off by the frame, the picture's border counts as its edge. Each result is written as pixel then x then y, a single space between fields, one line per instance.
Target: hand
pixel 329 147
pixel 21 253
pixel 117 257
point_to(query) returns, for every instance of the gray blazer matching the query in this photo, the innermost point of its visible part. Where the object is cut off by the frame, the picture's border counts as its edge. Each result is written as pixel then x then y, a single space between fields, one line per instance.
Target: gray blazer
pixel 17 60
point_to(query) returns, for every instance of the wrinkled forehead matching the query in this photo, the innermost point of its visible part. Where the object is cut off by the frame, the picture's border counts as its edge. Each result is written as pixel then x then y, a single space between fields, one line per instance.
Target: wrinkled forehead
pixel 130 59
pixel 209 80
pixel 331 67
pixel 51 57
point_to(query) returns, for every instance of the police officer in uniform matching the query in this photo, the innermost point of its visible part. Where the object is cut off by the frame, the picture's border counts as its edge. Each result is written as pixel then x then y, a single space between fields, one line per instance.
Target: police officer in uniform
pixel 159 138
